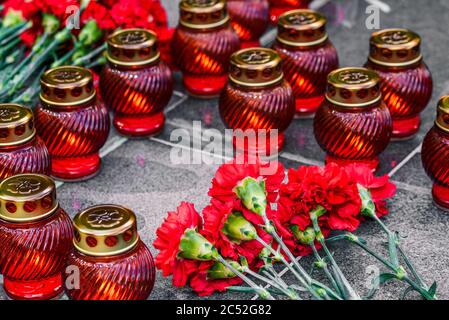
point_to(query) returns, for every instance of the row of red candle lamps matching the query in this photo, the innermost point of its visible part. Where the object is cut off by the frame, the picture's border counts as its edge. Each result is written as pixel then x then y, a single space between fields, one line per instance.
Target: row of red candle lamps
pixel 353 123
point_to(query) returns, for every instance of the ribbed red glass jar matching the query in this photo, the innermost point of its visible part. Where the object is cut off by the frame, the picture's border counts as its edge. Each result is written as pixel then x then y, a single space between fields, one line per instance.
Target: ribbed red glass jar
pixel 135 83
pixel 353 125
pixel 35 238
pixel 435 155
pixel 308 56
pixel 202 45
pixel 113 263
pixel 250 19
pixel 278 7
pixel 73 123
pixel 257 103
pixel 21 150
pixel 406 82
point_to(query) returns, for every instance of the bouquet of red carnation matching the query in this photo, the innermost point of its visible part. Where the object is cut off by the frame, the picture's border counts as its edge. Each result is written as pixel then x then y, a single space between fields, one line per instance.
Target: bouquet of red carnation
pixel 256 219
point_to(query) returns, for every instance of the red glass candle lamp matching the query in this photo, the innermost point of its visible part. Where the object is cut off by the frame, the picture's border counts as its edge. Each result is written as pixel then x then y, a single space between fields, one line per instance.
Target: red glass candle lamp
pixel 21 150
pixel 202 45
pixel 250 19
pixel 73 123
pixel 135 83
pixel 278 7
pixel 114 264
pixel 353 124
pixel 257 100
pixel 35 237
pixel 435 155
pixel 406 81
pixel 308 57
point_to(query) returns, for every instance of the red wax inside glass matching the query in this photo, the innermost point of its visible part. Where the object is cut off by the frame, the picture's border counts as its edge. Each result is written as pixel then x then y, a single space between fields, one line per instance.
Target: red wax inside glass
pixel 33 256
pixel 255 109
pixel 128 276
pixel 203 57
pixel 30 157
pixel 73 135
pixel 351 135
pixel 249 19
pixel 137 96
pixel 306 69
pixel 278 7
pixel 406 92
pixel 435 160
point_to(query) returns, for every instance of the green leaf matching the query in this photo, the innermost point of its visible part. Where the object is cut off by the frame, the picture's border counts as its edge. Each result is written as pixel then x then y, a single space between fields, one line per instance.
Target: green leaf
pixel 433 289
pixel 406 292
pixel 378 281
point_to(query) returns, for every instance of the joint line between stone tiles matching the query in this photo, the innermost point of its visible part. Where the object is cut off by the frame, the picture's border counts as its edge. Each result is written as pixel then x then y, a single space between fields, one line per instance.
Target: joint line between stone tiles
pixel 177 103
pixel 405 161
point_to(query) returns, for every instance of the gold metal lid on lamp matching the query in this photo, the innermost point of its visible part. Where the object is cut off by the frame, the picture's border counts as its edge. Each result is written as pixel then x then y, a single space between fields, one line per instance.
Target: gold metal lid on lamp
pixel 203 14
pixel 395 47
pixel 353 87
pixel 27 198
pixel 132 47
pixel 442 120
pixel 16 124
pixel 105 230
pixel 67 86
pixel 302 28
pixel 256 67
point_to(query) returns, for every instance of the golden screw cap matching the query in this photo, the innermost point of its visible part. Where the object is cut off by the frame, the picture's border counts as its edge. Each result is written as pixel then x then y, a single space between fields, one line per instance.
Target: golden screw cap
pixel 203 14
pixel 256 67
pixel 395 47
pixel 27 197
pixel 353 87
pixel 105 230
pixel 302 28
pixel 67 86
pixel 132 47
pixel 442 120
pixel 16 124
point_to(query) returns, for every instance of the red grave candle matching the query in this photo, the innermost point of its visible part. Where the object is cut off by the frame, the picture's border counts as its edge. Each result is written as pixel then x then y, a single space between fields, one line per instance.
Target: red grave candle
pixel 406 82
pixel 73 123
pixel 353 124
pixel 114 264
pixel 435 155
pixel 21 150
pixel 249 18
pixel 278 7
pixel 202 45
pixel 135 83
pixel 257 100
pixel 35 237
pixel 308 57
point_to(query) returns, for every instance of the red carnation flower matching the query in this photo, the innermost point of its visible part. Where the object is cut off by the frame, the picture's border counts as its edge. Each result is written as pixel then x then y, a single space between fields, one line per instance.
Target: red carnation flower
pixel 100 14
pixel 219 218
pixel 168 239
pixel 229 175
pixel 28 9
pixel 380 187
pixel 139 14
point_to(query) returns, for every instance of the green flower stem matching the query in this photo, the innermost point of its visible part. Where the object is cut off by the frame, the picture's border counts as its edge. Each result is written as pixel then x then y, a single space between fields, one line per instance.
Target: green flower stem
pixel 263 293
pixel 90 55
pixel 309 285
pixel 16 34
pixel 389 265
pixel 323 265
pixel 411 267
pixel 251 290
pixel 273 282
pixel 5 49
pixel 392 241
pixel 7 31
pixel 61 61
pixel 350 293
pixel 99 62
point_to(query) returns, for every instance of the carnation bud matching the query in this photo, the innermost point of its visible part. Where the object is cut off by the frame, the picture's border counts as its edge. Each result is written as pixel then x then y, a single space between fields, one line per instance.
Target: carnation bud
pixel 90 34
pixel 238 229
pixel 63 35
pixel 368 208
pixel 220 271
pixel 305 237
pixel 194 246
pixel 50 22
pixel 253 195
pixel 12 18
